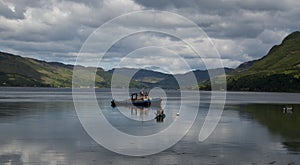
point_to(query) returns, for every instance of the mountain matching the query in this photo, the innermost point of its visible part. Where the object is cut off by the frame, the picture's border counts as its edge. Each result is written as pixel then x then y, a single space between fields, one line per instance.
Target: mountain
pixel 167 81
pixel 19 71
pixel 142 75
pixel 279 70
pixel 244 66
pixel 149 78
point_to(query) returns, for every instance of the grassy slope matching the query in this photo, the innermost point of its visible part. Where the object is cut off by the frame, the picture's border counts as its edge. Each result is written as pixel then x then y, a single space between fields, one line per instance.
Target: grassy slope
pixel 19 71
pixel 279 70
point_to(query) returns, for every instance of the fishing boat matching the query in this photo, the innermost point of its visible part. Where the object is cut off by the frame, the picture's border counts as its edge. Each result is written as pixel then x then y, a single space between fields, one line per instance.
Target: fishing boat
pixel 136 99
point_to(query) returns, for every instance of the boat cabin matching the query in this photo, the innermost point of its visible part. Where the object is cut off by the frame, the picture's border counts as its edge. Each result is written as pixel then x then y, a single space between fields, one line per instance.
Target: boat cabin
pixel 143 96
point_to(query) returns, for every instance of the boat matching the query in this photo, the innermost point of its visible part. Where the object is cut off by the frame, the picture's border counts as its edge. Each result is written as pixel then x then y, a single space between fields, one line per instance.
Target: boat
pixel 136 99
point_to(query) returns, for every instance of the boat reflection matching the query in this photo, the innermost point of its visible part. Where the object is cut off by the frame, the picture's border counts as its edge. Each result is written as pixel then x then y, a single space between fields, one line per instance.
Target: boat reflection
pixel 160 115
pixel 143 113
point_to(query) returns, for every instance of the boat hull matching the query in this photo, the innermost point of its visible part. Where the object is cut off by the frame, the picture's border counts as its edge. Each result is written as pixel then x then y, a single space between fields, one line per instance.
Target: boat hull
pixel 145 103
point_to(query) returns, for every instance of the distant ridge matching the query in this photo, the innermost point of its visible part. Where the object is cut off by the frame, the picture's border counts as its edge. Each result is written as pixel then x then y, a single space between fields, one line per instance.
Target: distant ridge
pixel 278 71
pixel 168 81
pixel 28 72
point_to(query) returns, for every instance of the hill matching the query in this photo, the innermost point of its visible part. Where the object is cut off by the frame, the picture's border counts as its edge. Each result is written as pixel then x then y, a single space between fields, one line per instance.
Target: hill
pixel 279 70
pixel 20 71
pixel 167 81
pixel 27 72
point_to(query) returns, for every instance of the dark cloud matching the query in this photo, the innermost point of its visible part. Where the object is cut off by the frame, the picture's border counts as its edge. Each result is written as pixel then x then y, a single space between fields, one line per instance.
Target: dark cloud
pixel 7 12
pixel 233 18
pixel 216 6
pixel 192 4
pixel 242 30
pixel 266 5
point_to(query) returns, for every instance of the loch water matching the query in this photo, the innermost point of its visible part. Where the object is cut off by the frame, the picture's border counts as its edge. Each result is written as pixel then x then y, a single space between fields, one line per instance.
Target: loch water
pixel 41 126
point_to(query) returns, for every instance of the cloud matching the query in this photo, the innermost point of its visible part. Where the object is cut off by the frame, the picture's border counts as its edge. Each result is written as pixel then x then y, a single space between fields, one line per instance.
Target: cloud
pixel 241 30
pixel 266 5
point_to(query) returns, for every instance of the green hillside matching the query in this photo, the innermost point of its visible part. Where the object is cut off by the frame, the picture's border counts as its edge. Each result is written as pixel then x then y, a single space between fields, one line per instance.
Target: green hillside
pixel 27 72
pixel 278 71
pixel 19 71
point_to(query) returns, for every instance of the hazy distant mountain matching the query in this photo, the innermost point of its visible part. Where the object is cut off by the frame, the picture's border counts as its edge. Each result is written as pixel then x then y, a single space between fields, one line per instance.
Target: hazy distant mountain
pixel 148 77
pixel 157 79
pixel 142 75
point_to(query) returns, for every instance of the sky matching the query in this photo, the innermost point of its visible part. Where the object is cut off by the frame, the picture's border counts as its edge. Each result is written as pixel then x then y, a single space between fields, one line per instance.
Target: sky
pixel 56 30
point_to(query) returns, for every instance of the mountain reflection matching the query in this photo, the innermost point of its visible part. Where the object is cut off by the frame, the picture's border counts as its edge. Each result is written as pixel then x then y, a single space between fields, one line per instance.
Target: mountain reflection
pixel 277 121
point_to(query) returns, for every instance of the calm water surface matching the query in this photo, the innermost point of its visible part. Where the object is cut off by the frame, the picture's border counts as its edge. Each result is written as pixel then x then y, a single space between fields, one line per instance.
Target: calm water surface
pixel 40 126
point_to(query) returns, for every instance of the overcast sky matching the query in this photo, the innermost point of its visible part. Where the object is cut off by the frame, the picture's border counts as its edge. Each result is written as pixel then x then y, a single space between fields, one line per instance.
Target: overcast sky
pixel 54 30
